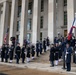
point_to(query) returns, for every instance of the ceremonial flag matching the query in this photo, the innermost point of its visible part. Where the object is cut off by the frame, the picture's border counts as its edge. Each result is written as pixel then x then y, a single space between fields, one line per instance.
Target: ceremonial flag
pixel 73 26
pixel 6 35
pixel 74 23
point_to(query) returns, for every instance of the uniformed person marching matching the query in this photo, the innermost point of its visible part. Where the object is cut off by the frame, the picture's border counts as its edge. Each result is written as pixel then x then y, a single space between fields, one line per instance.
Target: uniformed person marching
pixel 74 55
pixel 37 49
pixel 51 56
pixel 17 53
pixel 23 50
pixel 44 45
pixel 11 53
pixel 41 47
pixel 6 52
pixel 56 54
pixel 3 53
pixel 33 51
pixel 60 51
pixel 68 51
pixel 48 43
pixel 28 53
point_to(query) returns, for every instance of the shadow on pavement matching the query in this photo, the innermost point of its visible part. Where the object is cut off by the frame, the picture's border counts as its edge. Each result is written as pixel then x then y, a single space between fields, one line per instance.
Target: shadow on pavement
pixel 2 74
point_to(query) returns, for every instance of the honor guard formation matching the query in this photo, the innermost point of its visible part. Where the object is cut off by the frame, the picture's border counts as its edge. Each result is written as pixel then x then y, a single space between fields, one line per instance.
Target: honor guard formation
pixel 61 50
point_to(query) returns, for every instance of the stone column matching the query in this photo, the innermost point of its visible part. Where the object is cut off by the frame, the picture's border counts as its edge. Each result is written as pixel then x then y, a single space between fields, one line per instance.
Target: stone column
pixel 13 21
pixel 70 13
pixel 35 21
pixel 60 16
pixel 24 18
pixel 75 13
pixel 51 19
pixel 0 23
pixel 4 24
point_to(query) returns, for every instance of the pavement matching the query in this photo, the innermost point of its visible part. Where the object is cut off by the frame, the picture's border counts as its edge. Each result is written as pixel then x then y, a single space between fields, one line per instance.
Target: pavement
pixel 41 67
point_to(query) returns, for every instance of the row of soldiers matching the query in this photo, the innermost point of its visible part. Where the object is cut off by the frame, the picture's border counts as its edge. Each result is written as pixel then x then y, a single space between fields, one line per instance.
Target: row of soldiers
pixel 27 50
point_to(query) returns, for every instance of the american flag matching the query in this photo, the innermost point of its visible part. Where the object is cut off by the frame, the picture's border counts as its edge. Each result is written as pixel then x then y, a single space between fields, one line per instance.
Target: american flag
pixel 73 26
pixel 6 35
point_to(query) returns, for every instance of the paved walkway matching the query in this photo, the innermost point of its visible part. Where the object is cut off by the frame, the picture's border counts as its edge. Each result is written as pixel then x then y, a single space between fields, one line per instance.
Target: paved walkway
pixel 42 67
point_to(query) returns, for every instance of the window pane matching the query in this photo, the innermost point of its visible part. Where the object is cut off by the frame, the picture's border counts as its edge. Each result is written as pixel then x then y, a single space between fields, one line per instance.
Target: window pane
pixel 28 36
pixel 42 5
pixel 41 22
pixel 29 24
pixel 30 6
pixel 65 17
pixel 40 36
pixel 19 11
pixel 18 25
pixel 65 2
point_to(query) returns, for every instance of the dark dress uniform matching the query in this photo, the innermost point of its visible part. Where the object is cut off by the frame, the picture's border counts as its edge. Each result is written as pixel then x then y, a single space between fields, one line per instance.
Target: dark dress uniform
pixel 56 53
pixel 63 54
pixel 37 49
pixel 73 42
pixel 17 52
pixel 23 54
pixel 28 52
pixel 40 47
pixel 3 53
pixel 47 42
pixel 33 50
pixel 6 53
pixel 11 52
pixel 60 52
pixel 74 55
pixel 68 52
pixel 44 45
pixel 52 51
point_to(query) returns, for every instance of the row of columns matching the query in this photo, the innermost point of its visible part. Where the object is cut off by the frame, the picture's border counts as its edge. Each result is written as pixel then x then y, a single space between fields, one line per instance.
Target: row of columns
pixel 5 21
pixel 24 13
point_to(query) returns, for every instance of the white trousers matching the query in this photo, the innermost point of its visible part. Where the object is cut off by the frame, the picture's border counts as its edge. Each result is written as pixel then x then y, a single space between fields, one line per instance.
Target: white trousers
pixel 28 59
pixel 47 48
pixel 56 62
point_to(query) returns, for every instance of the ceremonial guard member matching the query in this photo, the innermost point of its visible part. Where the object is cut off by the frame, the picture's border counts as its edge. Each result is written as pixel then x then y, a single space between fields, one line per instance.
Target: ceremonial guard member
pixel 44 45
pixel 3 53
pixel 68 51
pixel 37 49
pixel 23 52
pixel 63 45
pixel 33 51
pixel 17 53
pixel 48 43
pixel 56 54
pixel 51 57
pixel 74 55
pixel 60 51
pixel 6 52
pixel 11 53
pixel 28 53
pixel 41 47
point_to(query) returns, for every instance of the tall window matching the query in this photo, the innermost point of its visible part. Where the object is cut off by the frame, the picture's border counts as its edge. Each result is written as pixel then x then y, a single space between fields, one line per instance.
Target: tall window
pixel 65 17
pixel 65 2
pixel 42 5
pixel 29 36
pixel 29 24
pixel 30 7
pixel 41 36
pixel 18 25
pixel 41 21
pixel 19 11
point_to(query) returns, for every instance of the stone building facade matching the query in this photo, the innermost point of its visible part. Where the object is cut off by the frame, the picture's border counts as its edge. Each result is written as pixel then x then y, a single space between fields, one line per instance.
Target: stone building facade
pixel 36 19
